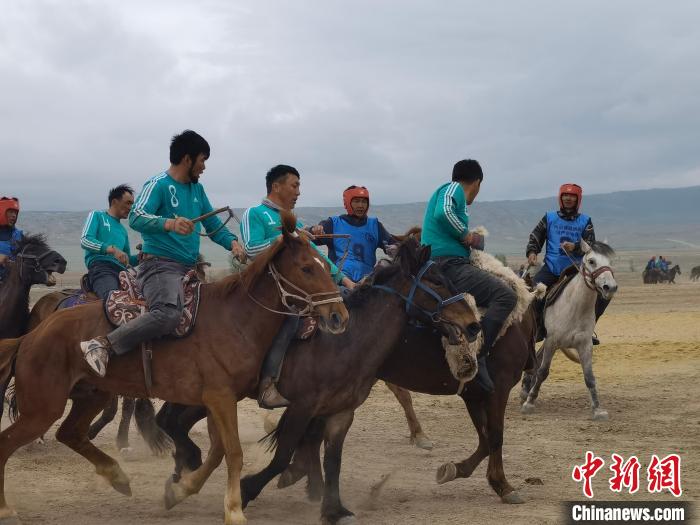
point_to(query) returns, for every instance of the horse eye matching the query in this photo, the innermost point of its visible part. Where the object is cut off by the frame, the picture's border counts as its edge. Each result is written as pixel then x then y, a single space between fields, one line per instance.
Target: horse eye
pixel 307 269
pixel 592 262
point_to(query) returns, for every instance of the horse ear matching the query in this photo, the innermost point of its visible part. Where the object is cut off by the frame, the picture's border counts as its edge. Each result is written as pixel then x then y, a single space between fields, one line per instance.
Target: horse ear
pixel 585 247
pixel 423 255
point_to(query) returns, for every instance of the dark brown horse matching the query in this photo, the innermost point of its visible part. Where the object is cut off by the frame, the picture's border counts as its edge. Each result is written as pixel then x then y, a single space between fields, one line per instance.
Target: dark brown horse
pixel 218 364
pixel 377 343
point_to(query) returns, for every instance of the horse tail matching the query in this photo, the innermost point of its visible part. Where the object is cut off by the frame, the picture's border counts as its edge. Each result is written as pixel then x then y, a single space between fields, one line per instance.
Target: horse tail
pixel 571 354
pixel 154 436
pixel 271 439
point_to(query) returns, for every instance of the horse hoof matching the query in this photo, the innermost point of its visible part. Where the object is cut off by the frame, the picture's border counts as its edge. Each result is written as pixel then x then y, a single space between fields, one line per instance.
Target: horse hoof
pixel 8 516
pixel 422 441
pixel 445 473
pixel 40 441
pixel 347 520
pixel 127 453
pixel 600 415
pixel 123 487
pixel 512 498
pixel 174 494
pixel 527 408
pixel 235 518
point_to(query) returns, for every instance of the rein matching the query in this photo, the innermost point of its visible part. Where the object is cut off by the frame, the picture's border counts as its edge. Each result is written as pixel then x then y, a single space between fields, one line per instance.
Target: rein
pixel 588 276
pixel 231 215
pixel 21 257
pixel 311 301
pixel 434 316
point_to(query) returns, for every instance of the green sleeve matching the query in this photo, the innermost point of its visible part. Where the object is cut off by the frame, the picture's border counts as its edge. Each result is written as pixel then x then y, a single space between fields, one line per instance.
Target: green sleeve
pixel 449 211
pixel 253 233
pixel 143 216
pixel 89 240
pixel 223 237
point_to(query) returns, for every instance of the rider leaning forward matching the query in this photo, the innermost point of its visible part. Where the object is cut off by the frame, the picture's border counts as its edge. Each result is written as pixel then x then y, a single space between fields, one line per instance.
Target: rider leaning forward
pixel 163 213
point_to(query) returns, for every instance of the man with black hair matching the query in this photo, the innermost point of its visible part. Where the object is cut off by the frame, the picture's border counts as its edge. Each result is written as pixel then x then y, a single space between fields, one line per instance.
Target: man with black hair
pixel 562 231
pixel 446 231
pixel 260 226
pixel 106 242
pixel 163 213
pixel 10 235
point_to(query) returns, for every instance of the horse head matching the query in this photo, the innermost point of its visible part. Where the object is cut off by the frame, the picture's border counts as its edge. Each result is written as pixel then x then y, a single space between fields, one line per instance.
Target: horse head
pixel 302 276
pixel 431 297
pixel 596 267
pixel 36 261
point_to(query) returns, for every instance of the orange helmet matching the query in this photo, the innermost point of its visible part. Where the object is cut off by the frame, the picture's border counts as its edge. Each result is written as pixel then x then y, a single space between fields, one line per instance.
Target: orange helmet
pixel 7 204
pixel 573 189
pixel 353 192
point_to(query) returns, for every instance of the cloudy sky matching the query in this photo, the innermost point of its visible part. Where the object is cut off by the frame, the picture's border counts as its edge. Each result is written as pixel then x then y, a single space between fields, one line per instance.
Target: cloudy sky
pixel 383 94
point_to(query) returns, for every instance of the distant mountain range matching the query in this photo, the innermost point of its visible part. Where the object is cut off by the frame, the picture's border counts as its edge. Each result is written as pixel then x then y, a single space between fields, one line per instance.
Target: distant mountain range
pixel 659 220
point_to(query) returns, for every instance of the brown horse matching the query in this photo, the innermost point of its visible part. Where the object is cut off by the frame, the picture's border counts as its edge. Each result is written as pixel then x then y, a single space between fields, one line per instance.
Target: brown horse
pixel 416 363
pixel 377 344
pixel 143 409
pixel 217 365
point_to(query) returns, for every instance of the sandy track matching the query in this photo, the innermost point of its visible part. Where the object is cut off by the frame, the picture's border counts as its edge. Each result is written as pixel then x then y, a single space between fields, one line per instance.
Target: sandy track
pixel 647 371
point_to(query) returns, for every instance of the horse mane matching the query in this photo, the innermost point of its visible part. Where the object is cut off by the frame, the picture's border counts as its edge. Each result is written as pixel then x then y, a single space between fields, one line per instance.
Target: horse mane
pixel 34 239
pixel 414 231
pixel 603 249
pixel 248 277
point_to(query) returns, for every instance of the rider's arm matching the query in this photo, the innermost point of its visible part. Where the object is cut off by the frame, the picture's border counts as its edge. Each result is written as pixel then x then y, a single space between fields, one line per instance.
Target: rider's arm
pixel 143 216
pixel 223 237
pixel 450 211
pixel 537 237
pixel 327 226
pixel 133 259
pixel 588 235
pixel 385 238
pixel 253 234
pixel 89 240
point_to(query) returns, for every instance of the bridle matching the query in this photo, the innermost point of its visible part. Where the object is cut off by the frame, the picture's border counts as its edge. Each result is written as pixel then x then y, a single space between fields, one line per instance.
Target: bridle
pixel 21 257
pixel 311 300
pixel 435 315
pixel 589 277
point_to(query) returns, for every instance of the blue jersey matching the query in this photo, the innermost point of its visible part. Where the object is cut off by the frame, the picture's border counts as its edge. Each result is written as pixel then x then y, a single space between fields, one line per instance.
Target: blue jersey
pixel 363 244
pixel 559 231
pixel 7 247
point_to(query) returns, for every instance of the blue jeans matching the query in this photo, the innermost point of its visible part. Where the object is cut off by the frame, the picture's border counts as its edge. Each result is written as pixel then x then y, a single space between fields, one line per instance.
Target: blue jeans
pixel 103 277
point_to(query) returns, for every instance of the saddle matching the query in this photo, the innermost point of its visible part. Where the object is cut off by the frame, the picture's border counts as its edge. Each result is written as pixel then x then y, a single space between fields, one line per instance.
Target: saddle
pixel 128 303
pixel 77 296
pixel 554 291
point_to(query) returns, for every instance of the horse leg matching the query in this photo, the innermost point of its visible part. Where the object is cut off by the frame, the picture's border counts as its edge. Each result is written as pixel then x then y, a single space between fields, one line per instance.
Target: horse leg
pixel 123 432
pixel 586 357
pixel 418 438
pixel 38 414
pixel 542 373
pixel 223 413
pixel 332 510
pixel 290 431
pixel 107 416
pixel 495 414
pixel 176 421
pixel 529 378
pixel 73 433
pixel 307 462
pixel 464 469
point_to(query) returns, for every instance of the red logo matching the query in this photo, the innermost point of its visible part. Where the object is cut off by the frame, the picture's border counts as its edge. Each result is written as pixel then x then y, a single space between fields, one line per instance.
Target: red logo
pixel 586 472
pixel 625 474
pixel 665 474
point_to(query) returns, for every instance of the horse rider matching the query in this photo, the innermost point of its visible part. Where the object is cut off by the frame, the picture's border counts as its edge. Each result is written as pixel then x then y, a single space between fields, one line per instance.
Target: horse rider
pixel 367 235
pixel 446 231
pixel 163 213
pixel 662 264
pixel 106 242
pixel 562 231
pixel 261 225
pixel 651 264
pixel 9 233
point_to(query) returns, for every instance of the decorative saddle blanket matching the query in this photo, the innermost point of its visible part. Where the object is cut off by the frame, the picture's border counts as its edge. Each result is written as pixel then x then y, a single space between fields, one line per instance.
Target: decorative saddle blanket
pixel 128 303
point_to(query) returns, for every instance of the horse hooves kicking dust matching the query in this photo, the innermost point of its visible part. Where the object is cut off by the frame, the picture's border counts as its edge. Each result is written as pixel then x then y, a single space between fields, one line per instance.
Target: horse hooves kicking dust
pixel 512 498
pixel 527 408
pixel 445 473
pixel 422 441
pixel 600 414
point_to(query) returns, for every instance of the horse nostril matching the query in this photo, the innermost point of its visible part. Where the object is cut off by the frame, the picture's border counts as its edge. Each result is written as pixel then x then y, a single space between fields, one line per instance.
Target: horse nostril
pixel 606 287
pixel 335 319
pixel 473 329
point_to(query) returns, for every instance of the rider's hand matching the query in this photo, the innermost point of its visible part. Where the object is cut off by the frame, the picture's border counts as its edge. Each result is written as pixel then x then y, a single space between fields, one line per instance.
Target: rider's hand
pixel 532 259
pixel 317 230
pixel 474 240
pixel 238 251
pixel 568 246
pixel 179 225
pixel 347 283
pixel 119 255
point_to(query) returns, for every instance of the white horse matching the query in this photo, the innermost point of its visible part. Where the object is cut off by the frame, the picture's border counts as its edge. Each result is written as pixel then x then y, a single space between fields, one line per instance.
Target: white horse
pixel 570 322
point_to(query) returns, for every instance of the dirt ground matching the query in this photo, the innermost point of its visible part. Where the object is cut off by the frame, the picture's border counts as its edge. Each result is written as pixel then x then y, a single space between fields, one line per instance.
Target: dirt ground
pixel 647 370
